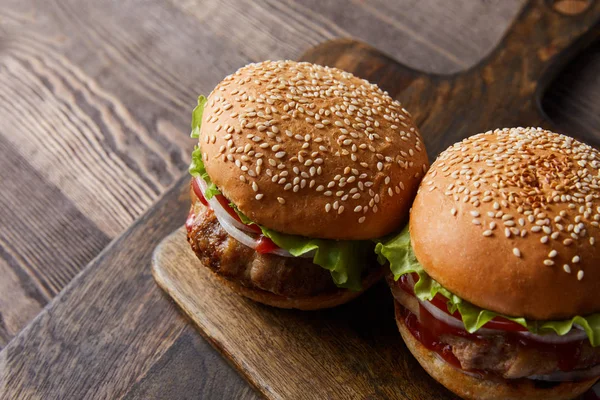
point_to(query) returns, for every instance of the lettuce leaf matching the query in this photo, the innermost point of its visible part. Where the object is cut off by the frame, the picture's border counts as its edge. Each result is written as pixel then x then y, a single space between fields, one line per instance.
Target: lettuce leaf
pixel 196 169
pixel 344 259
pixel 197 117
pixel 397 250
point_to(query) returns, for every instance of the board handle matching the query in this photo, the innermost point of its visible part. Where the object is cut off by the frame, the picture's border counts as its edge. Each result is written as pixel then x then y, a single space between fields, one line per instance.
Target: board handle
pixel 545 34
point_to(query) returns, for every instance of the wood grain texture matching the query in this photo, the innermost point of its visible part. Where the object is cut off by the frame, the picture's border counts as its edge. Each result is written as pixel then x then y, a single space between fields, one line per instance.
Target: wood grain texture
pixel 111 333
pixel 417 33
pixel 105 332
pixel 190 369
pixel 572 100
pixel 95 101
pixel 353 351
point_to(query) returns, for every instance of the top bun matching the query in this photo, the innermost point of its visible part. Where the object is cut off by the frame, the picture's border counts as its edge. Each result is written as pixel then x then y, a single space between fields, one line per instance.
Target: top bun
pixel 313 151
pixel 508 220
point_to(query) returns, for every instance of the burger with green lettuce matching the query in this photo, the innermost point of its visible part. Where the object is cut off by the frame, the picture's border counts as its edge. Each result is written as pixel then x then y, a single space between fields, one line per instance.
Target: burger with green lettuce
pixel 496 279
pixel 298 168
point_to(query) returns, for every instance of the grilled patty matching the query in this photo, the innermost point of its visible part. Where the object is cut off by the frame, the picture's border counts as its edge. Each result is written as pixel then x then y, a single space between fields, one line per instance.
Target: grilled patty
pixel 500 354
pixel 285 276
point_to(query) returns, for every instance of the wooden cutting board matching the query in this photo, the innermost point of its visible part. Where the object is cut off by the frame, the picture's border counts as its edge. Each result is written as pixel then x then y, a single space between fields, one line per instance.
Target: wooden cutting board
pixel 354 351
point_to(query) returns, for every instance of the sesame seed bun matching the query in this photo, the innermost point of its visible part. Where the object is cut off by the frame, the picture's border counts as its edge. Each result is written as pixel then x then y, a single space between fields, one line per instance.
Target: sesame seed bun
pixel 471 387
pixel 313 151
pixel 508 220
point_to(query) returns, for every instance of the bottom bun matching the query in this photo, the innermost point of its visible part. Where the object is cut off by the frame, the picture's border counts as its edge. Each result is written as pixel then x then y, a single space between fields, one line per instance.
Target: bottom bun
pixel 471 387
pixel 316 302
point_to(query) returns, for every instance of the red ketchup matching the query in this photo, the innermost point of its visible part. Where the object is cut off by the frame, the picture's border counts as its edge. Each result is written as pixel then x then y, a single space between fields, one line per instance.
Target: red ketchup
pixel 265 245
pixel 428 331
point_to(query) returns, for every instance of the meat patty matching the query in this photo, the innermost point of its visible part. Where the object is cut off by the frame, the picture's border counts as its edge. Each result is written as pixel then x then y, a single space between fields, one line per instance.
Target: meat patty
pixel 285 276
pixel 511 359
pixel 501 354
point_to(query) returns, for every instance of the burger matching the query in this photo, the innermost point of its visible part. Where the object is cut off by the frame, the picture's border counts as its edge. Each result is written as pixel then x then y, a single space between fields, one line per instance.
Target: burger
pixel 298 168
pixel 496 280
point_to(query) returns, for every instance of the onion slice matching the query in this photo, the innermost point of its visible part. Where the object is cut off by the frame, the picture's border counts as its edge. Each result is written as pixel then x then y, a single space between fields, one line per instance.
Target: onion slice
pixel 553 338
pixel 220 212
pixel 238 230
pixel 453 322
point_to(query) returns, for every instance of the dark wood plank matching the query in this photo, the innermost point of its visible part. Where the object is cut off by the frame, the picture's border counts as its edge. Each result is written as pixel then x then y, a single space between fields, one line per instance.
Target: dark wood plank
pixel 32 271
pixel 106 330
pixel 95 96
pixel 104 333
pixel 179 375
pixel 572 101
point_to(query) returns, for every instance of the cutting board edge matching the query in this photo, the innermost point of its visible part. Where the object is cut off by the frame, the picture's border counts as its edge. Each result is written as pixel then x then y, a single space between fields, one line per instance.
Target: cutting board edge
pixel 166 284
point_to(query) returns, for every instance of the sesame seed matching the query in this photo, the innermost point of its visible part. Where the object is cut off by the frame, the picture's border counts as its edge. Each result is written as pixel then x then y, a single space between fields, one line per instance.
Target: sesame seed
pixel 487 233
pixel 453 211
pixel 281 200
pixel 548 262
pixel 553 253
pixel 516 252
pixel 567 268
pixel 575 260
pixel 580 275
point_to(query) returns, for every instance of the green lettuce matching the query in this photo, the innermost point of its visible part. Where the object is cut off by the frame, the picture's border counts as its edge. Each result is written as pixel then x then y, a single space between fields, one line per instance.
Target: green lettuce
pixel 197 169
pixel 397 250
pixel 197 117
pixel 344 259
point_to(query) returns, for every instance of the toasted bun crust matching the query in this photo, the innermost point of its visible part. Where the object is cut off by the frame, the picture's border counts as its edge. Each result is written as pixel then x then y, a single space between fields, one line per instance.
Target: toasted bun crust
pixel 313 151
pixel 317 302
pixel 508 220
pixel 470 387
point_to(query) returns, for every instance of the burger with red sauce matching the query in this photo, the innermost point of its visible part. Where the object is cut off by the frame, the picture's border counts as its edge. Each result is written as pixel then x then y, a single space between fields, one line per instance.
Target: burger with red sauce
pixel 297 169
pixel 497 278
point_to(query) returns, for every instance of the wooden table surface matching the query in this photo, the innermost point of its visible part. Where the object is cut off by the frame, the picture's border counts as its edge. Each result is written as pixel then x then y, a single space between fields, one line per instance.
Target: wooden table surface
pixel 96 100
pixel 95 107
